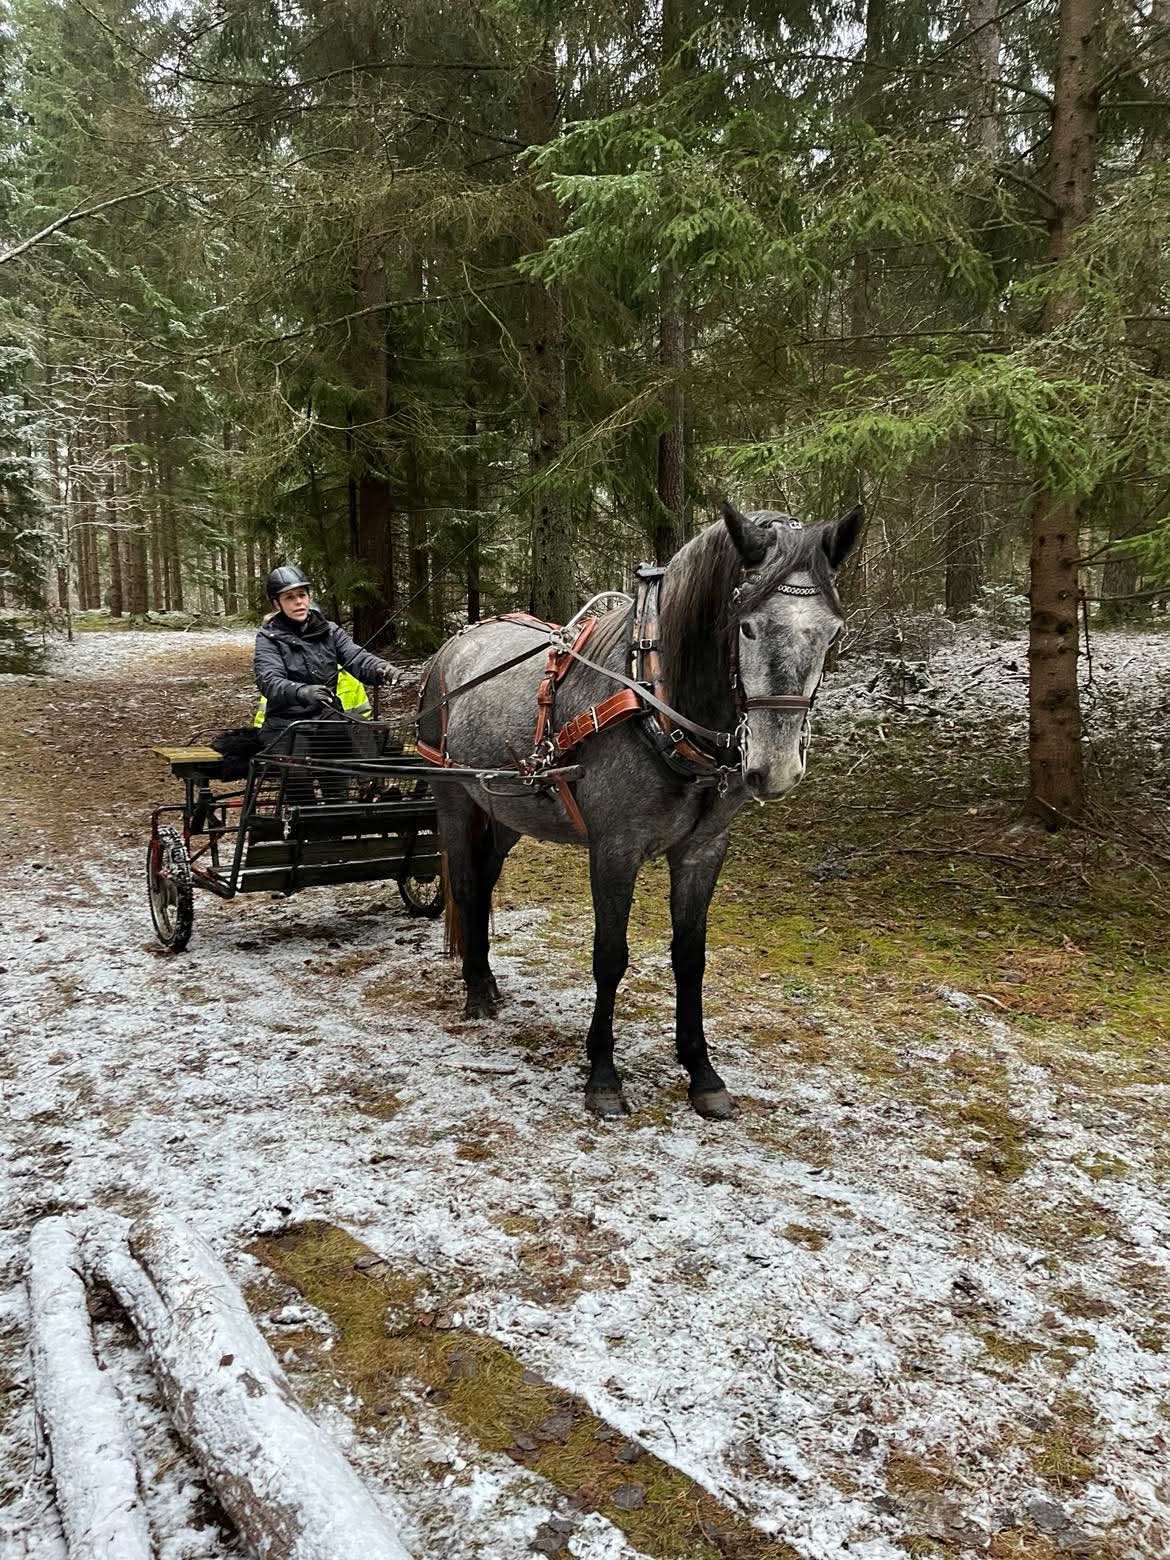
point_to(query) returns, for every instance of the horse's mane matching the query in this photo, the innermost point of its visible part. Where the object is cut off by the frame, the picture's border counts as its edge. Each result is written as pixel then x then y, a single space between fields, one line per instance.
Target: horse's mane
pixel 698 608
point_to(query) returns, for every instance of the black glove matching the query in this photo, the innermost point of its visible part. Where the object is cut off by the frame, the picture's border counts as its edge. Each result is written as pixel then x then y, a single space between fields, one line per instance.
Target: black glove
pixel 316 696
pixel 386 675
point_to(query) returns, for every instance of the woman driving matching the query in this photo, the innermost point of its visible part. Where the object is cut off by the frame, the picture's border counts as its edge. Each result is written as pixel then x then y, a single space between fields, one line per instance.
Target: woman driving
pixel 298 653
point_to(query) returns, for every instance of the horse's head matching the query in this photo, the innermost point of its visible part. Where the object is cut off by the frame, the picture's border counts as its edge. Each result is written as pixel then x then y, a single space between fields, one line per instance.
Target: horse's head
pixel 783 616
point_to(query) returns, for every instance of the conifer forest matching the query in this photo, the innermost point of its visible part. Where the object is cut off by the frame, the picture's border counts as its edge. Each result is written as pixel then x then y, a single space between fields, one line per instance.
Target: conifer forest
pixel 471 306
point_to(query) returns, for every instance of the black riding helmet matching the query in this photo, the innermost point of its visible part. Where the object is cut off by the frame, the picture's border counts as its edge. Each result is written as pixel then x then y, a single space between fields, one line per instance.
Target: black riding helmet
pixel 287 577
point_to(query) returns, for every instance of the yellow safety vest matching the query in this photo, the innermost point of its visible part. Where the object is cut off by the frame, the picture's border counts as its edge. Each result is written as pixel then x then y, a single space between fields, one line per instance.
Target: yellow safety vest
pixel 351 693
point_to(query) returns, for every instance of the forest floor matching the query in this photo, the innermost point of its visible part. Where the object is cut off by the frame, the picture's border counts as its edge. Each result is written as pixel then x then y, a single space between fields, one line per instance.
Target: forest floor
pixel 914 1300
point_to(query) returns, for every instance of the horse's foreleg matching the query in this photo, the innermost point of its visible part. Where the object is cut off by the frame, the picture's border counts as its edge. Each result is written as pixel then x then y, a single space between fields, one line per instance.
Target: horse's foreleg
pixel 475 856
pixel 692 882
pixel 611 878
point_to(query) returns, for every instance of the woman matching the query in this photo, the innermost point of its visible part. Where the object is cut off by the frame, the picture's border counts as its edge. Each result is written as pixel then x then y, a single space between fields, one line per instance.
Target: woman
pixel 298 653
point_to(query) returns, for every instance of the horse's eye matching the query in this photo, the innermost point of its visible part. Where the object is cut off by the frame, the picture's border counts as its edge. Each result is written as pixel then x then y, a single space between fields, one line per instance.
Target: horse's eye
pixel 747 630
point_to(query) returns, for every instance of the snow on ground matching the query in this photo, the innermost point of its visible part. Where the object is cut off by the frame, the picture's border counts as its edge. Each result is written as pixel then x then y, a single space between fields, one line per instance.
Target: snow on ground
pixel 123 653
pixel 787 1326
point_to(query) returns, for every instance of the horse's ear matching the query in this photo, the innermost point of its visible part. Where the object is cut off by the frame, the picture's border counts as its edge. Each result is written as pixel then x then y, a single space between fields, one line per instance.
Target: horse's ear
pixel 751 542
pixel 840 537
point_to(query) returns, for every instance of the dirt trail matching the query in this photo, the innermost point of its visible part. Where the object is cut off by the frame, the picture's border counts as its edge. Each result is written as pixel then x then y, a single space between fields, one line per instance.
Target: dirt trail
pixel 914 1301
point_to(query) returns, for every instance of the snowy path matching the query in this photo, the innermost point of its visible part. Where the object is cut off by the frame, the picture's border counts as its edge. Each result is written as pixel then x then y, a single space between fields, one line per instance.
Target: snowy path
pixel 817 1312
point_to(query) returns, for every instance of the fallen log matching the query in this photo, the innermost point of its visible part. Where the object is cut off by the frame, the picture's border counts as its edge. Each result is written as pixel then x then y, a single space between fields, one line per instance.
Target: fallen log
pixel 94 1472
pixel 290 1492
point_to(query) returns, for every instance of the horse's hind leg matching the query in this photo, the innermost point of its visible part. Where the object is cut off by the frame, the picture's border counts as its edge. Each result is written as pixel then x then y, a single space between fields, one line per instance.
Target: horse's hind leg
pixel 692 882
pixel 476 848
pixel 611 877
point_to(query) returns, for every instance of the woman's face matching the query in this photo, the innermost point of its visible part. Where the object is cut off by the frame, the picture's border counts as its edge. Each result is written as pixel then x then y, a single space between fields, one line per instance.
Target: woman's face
pixel 294 603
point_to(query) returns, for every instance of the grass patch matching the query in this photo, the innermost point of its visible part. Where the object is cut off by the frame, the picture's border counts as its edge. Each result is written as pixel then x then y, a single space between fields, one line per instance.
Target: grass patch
pixel 805 1235
pixel 1066 1445
pixel 386 1339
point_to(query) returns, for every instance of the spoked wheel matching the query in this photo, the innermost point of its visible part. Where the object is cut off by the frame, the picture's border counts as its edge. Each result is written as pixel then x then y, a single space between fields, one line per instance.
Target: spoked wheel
pixel 422 896
pixel 172 893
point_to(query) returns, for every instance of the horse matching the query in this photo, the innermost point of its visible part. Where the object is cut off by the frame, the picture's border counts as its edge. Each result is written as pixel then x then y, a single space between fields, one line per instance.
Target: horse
pixel 747 611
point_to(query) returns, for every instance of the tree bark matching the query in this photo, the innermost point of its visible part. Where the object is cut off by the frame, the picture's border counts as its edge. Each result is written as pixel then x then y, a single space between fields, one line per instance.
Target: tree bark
pixel 963 545
pixel 986 51
pixel 670 524
pixel 471 499
pixel 551 589
pixel 669 529
pixel 375 502
pixel 117 589
pixel 1056 786
pixel 282 1481
pixel 94 1471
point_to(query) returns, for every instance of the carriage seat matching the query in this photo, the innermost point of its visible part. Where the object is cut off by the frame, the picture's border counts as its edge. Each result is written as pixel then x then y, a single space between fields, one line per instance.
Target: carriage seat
pixel 193 763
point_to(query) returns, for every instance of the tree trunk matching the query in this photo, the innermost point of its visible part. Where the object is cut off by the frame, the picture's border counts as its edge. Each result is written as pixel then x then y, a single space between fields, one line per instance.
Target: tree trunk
pixel 964 544
pixel 157 593
pixel 201 585
pixel 375 503
pixel 94 1471
pixel 117 590
pixel 986 50
pixel 471 498
pixel 670 521
pixel 1056 788
pixel 283 1482
pixel 174 557
pixel 421 607
pixel 551 590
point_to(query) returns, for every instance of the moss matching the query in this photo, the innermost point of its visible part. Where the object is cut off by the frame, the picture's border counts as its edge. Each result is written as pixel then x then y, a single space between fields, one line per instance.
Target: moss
pixel 1003 1137
pixel 1105 1167
pixel 384 1339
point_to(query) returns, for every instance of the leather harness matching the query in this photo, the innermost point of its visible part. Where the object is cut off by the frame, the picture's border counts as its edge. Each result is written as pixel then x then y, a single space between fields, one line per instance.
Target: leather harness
pixel 703 756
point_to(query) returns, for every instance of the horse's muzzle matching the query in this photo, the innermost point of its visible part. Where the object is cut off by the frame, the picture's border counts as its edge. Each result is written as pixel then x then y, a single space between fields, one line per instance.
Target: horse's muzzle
pixel 769 782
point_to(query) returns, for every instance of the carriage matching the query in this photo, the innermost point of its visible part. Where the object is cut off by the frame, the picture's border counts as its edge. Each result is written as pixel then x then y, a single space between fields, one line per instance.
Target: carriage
pixel 329 801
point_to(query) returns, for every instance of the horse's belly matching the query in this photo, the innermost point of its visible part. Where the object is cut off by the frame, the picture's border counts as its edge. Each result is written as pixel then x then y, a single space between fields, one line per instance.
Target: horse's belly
pixel 539 813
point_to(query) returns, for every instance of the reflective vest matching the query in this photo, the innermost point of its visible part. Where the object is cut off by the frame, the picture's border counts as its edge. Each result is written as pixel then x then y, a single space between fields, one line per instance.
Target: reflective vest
pixel 351 693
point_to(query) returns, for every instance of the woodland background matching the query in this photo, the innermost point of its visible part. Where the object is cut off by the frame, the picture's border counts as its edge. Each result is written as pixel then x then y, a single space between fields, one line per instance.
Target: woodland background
pixel 474 304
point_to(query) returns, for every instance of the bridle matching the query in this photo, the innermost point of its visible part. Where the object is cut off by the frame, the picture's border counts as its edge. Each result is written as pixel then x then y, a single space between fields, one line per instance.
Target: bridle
pixel 786 703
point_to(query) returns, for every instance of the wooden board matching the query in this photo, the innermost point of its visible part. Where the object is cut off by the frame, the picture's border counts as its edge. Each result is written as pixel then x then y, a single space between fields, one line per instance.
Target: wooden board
pixel 189 755
pixel 186 762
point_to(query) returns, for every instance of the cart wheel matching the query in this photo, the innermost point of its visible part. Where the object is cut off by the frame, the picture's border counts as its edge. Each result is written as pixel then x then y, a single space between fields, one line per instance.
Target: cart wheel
pixel 172 894
pixel 422 896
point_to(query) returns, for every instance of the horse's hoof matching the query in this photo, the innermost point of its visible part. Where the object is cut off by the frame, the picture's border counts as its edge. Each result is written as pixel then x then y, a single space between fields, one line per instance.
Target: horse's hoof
pixel 606 1103
pixel 481 1004
pixel 714 1104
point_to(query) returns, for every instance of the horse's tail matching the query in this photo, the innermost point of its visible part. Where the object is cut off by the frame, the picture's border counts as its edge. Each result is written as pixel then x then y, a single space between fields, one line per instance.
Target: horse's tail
pixel 454 940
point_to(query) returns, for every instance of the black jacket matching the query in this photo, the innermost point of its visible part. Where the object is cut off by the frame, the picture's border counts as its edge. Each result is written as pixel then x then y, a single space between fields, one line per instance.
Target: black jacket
pixel 291 656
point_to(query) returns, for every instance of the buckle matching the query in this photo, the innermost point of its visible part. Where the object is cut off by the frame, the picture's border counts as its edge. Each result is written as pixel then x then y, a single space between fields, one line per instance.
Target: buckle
pixel 677 736
pixel 645 644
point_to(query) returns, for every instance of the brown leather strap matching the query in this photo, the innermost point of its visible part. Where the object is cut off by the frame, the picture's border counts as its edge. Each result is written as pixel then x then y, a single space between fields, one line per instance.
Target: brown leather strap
pixel 794 702
pixel 610 712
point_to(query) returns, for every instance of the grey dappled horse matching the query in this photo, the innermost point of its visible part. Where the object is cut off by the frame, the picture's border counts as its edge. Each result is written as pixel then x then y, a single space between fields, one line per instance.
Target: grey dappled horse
pixel 753 583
